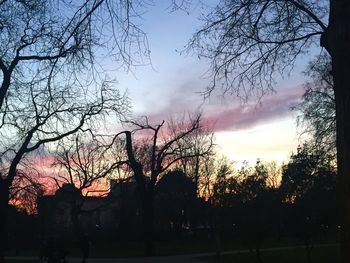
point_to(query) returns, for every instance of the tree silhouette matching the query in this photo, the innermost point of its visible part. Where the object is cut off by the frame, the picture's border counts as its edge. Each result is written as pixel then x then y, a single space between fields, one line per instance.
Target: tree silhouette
pixel 83 162
pixel 51 85
pixel 318 105
pixel 193 145
pixel 246 205
pixel 308 187
pixel 250 42
pixel 256 198
pixel 25 190
pixel 160 154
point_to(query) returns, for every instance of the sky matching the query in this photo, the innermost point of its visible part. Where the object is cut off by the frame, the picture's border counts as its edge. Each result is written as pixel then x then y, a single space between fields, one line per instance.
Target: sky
pixel 173 83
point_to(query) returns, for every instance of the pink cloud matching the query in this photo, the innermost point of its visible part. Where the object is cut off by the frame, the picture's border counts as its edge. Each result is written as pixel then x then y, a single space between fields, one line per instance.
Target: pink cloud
pixel 231 116
pixel 243 117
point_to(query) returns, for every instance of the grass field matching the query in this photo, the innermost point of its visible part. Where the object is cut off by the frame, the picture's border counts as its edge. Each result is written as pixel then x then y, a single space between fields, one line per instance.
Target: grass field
pixel 21 261
pixel 326 254
pixel 134 249
pixel 117 250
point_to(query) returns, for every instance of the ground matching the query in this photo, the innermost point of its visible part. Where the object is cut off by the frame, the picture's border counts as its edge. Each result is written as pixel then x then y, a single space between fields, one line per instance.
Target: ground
pixel 320 254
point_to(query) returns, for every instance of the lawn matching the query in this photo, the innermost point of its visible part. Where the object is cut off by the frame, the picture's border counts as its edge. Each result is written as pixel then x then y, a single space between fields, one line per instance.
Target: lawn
pixel 135 249
pixel 325 254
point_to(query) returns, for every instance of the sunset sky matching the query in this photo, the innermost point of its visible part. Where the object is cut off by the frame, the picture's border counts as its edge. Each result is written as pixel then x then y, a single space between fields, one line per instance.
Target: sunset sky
pixel 171 85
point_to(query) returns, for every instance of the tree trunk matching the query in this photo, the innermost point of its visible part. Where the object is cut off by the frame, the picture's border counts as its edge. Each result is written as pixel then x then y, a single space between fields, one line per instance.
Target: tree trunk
pixel 4 196
pixel 147 224
pixel 343 160
pixel 339 48
pixel 147 196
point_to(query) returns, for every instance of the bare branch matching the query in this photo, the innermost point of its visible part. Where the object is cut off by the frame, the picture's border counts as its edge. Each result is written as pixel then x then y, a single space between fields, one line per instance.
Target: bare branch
pixel 250 43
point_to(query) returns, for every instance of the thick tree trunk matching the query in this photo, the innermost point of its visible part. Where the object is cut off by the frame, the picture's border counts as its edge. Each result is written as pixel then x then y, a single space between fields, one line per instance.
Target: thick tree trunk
pixel 339 48
pixel 147 197
pixel 343 159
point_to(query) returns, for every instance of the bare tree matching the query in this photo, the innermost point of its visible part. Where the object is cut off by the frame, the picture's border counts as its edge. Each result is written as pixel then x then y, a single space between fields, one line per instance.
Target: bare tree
pixel 85 163
pixel 317 108
pixel 51 85
pixel 160 154
pixel 190 149
pixel 213 171
pixel 47 124
pixel 248 42
pixel 84 160
pixel 207 178
pixel 26 190
pixel 274 171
